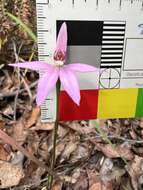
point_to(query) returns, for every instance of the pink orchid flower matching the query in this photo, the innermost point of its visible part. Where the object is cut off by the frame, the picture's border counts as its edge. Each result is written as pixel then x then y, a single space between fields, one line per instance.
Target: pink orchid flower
pixel 65 73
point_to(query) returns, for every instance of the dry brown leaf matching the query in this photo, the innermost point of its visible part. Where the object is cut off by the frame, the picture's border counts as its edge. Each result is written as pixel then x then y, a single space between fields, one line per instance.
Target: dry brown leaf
pixel 115 152
pixel 44 126
pixel 10 175
pixel 106 169
pixel 76 174
pixel 96 186
pixel 8 110
pixel 140 181
pixel 108 186
pixel 33 141
pixel 109 172
pixel 69 149
pixel 94 180
pixel 125 151
pixel 81 152
pixel 2 123
pixel 43 150
pixel 4 155
pixel 81 130
pixel 59 149
pixel 57 186
pixel 81 182
pixel 19 132
pixel 9 140
pixel 138 150
pixel 135 169
pixel 33 117
pixel 141 123
pixel 62 132
pixel 133 134
pixel 17 158
pixel 142 134
pixel 35 178
pixel 29 170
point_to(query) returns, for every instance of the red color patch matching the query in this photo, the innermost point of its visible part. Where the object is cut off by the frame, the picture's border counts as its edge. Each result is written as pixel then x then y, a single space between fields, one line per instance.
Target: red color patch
pixel 87 109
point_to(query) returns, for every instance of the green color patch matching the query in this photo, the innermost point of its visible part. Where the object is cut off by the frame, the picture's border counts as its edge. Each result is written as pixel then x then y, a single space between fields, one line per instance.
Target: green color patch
pixel 139 108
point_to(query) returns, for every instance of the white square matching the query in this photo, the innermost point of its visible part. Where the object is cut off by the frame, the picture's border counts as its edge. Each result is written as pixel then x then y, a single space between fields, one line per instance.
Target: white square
pixel 133 59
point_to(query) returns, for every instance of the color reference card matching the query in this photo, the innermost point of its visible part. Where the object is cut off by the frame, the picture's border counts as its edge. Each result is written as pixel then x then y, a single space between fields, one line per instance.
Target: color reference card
pixel 101 44
pixel 113 103
pixel 107 35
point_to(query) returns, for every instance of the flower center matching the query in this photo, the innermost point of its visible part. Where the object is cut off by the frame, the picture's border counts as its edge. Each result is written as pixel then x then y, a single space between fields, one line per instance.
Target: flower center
pixel 59 58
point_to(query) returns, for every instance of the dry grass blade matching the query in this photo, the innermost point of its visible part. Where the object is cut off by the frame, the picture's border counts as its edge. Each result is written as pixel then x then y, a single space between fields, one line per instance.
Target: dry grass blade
pixel 24 26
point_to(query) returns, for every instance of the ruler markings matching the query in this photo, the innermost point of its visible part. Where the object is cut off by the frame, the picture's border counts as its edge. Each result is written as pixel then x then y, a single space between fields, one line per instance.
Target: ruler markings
pixel 42 30
pixel 44 43
pixel 41 17
pixel 43 55
pixel 46 118
pixel 97 2
pixel 43 3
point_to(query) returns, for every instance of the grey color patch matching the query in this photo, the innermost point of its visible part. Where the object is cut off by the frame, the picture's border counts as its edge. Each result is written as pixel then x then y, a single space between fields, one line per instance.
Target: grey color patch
pixel 90 55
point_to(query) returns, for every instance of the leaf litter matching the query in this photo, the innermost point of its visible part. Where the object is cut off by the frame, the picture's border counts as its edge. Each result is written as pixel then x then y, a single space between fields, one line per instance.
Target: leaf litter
pixel 84 158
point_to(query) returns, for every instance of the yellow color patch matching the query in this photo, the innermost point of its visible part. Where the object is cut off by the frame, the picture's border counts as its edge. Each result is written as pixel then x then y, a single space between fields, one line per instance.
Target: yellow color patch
pixel 117 103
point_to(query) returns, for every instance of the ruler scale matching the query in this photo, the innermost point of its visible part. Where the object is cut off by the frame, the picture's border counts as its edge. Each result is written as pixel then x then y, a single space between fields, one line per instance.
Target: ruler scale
pixel 108 36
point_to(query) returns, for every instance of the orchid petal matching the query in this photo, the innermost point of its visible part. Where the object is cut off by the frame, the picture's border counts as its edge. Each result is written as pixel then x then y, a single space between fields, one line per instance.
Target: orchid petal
pixel 70 84
pixel 62 39
pixel 46 85
pixel 34 65
pixel 82 67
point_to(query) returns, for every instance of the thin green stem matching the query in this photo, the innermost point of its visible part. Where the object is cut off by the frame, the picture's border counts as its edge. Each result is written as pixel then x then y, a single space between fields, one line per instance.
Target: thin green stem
pixel 55 135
